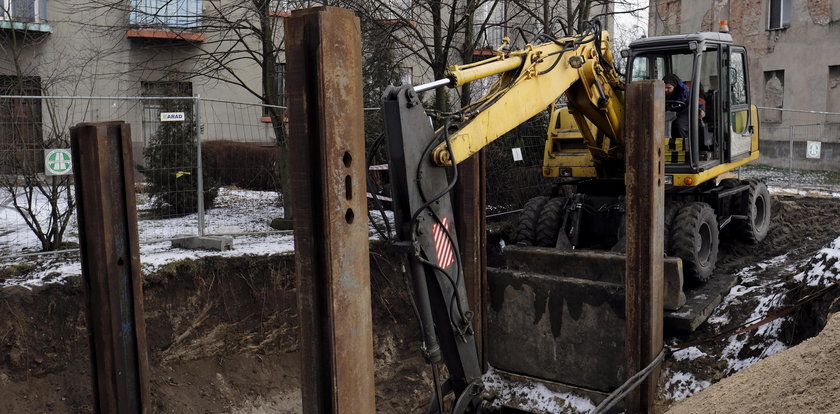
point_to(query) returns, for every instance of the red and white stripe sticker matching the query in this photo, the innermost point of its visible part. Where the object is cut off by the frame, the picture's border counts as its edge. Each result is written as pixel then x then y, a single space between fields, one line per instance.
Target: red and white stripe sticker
pixel 443 246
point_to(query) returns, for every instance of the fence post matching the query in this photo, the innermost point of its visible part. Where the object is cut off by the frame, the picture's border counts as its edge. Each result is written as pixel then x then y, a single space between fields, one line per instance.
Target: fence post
pixel 199 133
pixel 790 156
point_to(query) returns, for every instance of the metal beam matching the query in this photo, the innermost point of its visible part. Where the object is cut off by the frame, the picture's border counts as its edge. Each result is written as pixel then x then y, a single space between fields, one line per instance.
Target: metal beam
pixel 104 180
pixel 644 126
pixel 327 172
pixel 470 199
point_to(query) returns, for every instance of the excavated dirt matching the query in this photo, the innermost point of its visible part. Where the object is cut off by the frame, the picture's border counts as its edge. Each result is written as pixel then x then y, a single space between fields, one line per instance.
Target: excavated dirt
pixel 804 379
pixel 222 338
pixel 801 226
pixel 222 333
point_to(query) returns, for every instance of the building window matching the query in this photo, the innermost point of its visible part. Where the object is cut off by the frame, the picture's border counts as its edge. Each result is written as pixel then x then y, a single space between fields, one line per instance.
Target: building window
pixel 490 17
pixel 778 14
pixel 833 90
pixel 165 14
pixel 27 11
pixel 21 129
pixel 153 107
pixel 281 84
pixel 406 75
pixel 774 94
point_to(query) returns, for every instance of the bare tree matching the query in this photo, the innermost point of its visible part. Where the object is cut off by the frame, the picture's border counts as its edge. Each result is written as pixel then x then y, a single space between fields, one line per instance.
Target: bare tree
pixel 32 125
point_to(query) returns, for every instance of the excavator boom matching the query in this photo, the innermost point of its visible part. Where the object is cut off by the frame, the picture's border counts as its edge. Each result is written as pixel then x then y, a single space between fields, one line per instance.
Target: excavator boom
pixel 532 79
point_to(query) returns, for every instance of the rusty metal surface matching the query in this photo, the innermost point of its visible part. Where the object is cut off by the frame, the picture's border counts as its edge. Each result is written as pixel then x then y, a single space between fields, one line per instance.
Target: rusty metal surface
pixel 470 220
pixel 104 180
pixel 644 124
pixel 326 143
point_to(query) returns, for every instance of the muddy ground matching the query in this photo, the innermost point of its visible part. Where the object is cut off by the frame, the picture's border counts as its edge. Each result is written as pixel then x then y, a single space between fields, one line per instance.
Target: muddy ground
pixel 222 332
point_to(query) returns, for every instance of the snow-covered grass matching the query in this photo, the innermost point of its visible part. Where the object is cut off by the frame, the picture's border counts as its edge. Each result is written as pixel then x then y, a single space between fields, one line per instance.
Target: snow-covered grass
pixel 243 213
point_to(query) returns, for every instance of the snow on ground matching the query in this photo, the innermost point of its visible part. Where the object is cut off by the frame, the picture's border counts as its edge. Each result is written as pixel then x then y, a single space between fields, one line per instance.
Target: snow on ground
pixel 245 214
pixel 684 384
pixel 824 268
pixel 534 396
pixel 745 349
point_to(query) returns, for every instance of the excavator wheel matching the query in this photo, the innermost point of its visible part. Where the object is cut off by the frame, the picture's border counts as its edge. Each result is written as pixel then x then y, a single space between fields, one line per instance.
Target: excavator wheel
pixel 671 210
pixel 551 218
pixel 526 228
pixel 754 229
pixel 694 239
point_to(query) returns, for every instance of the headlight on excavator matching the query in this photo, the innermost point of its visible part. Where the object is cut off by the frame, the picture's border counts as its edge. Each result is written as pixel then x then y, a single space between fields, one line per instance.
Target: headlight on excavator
pixel 669 180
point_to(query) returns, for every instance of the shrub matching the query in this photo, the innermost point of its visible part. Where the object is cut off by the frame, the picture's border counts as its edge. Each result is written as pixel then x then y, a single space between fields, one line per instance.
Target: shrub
pixel 248 165
pixel 170 165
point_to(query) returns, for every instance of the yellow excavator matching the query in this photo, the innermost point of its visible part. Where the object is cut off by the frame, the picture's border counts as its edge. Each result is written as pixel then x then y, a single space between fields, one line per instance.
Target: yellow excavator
pixel 712 132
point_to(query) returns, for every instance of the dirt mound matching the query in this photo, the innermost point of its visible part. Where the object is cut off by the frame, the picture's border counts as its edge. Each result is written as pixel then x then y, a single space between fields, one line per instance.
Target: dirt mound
pixel 770 277
pixel 803 379
pixel 221 335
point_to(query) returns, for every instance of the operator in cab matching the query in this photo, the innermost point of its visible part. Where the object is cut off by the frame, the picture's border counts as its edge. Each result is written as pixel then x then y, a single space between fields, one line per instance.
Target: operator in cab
pixel 677 91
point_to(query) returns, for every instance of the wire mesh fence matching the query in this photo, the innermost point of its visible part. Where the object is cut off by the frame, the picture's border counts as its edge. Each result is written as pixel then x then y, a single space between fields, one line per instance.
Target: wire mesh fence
pixel 235 167
pixel 228 152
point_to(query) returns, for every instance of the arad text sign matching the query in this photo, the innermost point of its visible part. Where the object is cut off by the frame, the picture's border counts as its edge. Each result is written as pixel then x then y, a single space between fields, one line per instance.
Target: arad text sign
pixel 171 116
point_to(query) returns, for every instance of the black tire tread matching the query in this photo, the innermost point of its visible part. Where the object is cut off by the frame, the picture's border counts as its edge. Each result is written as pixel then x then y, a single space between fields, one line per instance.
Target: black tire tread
pixel 551 218
pixel 750 232
pixel 684 238
pixel 526 227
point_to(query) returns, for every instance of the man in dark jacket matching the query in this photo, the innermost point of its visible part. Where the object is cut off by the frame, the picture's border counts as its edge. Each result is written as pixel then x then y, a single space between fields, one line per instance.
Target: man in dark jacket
pixel 676 90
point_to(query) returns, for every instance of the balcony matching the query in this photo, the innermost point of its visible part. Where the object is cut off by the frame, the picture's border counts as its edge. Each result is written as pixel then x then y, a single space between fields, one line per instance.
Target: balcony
pixel 27 16
pixel 165 20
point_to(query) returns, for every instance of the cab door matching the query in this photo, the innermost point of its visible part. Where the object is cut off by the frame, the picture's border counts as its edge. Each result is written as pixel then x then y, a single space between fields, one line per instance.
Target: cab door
pixel 738 105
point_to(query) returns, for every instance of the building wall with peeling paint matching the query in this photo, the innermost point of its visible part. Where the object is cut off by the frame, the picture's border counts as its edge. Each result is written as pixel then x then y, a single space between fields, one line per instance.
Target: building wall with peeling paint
pixel 795 67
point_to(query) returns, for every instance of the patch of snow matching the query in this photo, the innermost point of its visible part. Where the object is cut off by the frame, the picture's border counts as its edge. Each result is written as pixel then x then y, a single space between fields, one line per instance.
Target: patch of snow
pixel 691 352
pixel 682 385
pixel 824 268
pixel 534 396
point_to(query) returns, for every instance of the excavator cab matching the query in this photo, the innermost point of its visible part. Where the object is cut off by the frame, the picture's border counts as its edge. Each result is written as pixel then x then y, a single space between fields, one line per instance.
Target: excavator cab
pixel 714 126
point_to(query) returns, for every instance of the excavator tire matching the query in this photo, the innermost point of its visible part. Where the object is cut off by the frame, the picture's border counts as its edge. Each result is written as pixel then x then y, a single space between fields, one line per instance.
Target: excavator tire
pixel 526 228
pixel 551 218
pixel 671 210
pixel 754 229
pixel 695 240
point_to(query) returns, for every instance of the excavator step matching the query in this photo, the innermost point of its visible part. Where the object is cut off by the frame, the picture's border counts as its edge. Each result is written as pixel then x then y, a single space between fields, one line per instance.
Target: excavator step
pixel 701 301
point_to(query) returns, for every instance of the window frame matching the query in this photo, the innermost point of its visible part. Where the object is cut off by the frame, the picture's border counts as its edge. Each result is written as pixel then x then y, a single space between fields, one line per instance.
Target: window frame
pixel 783 21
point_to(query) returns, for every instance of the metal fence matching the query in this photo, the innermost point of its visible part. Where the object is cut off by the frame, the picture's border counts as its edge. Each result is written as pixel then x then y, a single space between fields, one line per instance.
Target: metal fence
pixel 182 146
pixel 798 149
pixel 227 151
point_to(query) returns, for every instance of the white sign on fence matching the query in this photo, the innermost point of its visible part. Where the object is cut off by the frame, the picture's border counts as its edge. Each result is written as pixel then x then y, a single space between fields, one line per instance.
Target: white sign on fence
pixel 813 149
pixel 58 161
pixel 172 116
pixel 517 154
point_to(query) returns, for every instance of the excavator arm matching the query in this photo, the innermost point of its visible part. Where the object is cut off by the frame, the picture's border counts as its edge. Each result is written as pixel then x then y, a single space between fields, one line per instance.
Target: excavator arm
pixel 530 80
pixel 422 174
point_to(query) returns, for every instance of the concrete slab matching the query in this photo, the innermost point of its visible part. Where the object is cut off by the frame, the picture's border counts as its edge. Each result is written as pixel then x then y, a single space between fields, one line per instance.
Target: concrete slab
pixel 701 301
pixel 599 266
pixel 218 243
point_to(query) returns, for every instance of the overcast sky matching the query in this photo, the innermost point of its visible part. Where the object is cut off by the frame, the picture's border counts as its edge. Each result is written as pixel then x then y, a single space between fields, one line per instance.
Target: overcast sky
pixel 630 26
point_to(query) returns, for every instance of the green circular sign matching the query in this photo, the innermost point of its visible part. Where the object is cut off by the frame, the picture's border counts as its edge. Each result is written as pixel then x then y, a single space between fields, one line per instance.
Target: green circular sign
pixel 59 162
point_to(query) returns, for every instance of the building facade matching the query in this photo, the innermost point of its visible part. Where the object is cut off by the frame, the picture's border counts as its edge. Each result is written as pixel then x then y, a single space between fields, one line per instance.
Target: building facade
pixel 794 65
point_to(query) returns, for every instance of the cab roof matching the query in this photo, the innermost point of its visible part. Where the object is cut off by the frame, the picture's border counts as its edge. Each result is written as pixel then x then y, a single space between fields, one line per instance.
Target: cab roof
pixel 681 39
